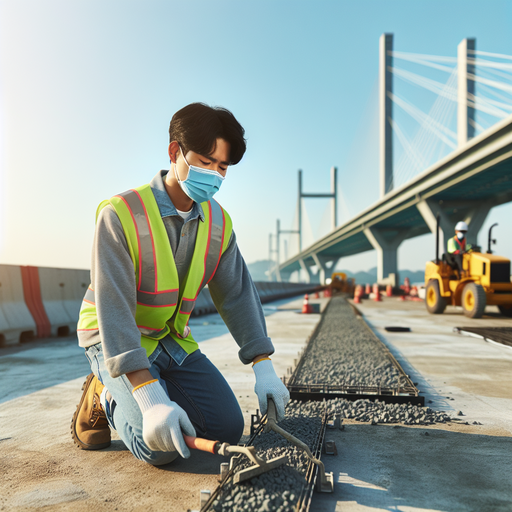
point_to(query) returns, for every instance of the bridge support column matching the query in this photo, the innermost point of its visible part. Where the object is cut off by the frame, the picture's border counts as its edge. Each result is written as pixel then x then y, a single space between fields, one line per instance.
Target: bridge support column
pixel 475 219
pixel 321 263
pixel 307 271
pixel 429 211
pixel 473 215
pixel 285 276
pixel 387 262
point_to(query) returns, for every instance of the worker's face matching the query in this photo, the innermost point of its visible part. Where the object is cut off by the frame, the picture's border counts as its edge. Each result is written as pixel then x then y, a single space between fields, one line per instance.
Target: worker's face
pixel 460 234
pixel 218 160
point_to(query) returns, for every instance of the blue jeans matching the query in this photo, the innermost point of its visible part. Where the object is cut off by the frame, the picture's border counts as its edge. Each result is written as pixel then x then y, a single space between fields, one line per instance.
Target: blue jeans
pixel 195 385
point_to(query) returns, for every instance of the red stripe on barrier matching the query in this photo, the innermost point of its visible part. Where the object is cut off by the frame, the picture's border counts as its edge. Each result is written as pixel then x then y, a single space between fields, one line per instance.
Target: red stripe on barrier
pixel 33 300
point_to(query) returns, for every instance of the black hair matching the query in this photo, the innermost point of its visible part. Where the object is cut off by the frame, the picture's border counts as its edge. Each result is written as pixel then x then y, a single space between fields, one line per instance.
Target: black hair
pixel 198 126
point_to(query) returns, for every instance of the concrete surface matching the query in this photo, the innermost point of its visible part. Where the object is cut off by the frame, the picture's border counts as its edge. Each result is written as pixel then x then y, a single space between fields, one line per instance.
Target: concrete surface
pixel 384 468
pixel 456 467
pixel 455 372
pixel 42 469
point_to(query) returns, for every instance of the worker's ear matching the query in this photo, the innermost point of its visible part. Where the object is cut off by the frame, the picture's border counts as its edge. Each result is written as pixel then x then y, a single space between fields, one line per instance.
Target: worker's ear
pixel 174 149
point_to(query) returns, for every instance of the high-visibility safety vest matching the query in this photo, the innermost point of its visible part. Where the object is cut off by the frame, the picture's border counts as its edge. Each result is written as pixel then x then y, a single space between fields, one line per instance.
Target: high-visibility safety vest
pixel 158 293
pixel 454 245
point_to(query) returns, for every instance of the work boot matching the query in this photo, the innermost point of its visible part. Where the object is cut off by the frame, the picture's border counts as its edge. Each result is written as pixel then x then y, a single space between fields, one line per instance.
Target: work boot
pixel 89 426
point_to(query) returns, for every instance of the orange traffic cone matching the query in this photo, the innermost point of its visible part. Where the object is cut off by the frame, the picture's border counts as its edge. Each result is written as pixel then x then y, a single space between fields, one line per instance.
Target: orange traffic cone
pixel 368 289
pixel 407 286
pixel 317 295
pixel 389 291
pixel 376 292
pixel 306 307
pixel 357 294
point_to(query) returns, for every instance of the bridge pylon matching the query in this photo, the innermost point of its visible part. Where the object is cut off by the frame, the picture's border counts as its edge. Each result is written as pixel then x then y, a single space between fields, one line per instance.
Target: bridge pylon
pixel 465 90
pixel 386 113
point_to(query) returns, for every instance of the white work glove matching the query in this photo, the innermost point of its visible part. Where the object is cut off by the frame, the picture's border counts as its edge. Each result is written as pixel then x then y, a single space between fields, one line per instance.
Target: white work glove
pixel 162 420
pixel 268 383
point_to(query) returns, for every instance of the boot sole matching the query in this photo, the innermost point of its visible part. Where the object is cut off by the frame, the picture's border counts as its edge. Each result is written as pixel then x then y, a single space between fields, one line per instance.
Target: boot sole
pixel 74 435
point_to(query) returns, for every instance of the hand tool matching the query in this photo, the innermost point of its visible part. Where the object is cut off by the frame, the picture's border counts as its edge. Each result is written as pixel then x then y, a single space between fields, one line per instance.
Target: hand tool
pixel 216 447
pixel 326 483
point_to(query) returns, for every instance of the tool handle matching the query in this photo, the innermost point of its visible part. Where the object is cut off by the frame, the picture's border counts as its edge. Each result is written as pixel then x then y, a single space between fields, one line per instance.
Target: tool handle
pixel 199 443
pixel 271 410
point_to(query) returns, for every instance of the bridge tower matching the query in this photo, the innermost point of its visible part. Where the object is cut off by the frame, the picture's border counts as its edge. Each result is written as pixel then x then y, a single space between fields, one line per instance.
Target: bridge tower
pixel 466 90
pixel 386 113
pixel 387 266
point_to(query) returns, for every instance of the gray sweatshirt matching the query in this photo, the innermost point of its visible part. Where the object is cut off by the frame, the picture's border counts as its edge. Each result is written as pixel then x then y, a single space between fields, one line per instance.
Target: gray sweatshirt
pixel 113 280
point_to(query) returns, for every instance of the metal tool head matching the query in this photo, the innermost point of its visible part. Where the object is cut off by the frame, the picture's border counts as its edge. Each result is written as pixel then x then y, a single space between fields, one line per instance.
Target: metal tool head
pixel 256 470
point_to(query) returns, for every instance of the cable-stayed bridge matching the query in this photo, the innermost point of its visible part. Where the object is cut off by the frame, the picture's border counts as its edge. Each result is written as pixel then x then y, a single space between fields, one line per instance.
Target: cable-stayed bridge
pixel 458 165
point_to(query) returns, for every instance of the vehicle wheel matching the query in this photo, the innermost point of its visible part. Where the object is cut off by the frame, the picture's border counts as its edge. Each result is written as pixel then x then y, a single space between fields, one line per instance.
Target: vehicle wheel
pixel 473 300
pixel 435 303
pixel 506 310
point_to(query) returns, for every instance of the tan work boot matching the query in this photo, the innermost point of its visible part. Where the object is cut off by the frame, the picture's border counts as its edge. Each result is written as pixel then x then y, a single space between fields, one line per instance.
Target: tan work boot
pixel 89 426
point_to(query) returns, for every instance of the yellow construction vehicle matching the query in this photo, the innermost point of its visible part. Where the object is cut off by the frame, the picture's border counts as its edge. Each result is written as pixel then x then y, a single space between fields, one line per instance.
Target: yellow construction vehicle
pixel 341 283
pixel 483 280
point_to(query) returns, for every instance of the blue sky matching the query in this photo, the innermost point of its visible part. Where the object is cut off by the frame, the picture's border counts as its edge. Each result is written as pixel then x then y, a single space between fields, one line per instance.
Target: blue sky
pixel 87 90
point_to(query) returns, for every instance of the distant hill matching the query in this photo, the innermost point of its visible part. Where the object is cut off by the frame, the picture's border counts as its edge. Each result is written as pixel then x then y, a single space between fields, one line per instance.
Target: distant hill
pixel 259 269
pixel 370 276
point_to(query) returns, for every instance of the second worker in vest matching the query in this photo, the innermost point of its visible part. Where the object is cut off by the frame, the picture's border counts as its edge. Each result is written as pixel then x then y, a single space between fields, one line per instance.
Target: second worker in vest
pixel 155 248
pixel 458 245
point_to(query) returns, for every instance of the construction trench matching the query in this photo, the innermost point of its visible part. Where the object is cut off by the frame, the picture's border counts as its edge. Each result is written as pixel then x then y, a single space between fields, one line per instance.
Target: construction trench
pixel 342 362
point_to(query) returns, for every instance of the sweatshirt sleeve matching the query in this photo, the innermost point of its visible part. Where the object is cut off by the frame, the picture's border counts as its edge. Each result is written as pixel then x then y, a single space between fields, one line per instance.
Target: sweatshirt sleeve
pixel 238 303
pixel 113 280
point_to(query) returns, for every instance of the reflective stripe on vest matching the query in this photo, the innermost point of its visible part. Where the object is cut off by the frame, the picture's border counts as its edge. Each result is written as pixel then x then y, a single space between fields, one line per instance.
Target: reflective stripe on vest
pixel 155 270
pixel 216 235
pixel 462 244
pixel 147 290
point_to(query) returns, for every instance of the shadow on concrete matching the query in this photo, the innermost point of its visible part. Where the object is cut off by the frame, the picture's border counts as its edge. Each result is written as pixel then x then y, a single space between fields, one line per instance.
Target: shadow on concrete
pixel 400 468
pixel 40 364
pixel 200 463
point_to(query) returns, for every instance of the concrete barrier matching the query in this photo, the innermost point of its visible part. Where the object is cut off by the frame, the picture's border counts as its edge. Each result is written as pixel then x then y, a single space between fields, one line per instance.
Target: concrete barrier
pixel 52 281
pixel 270 291
pixel 16 322
pixel 75 285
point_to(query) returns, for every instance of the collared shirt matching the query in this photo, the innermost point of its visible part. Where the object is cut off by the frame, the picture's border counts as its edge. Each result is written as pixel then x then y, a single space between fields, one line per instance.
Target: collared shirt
pixel 113 280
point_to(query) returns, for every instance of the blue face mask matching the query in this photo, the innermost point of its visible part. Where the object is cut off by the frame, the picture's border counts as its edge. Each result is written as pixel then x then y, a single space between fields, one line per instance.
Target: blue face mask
pixel 201 184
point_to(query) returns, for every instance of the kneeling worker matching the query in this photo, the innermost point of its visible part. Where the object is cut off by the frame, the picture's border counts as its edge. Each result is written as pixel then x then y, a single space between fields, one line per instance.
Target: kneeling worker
pixel 458 245
pixel 155 248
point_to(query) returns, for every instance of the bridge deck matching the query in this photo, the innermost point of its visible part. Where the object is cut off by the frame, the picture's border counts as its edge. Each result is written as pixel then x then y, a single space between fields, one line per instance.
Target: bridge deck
pixel 479 172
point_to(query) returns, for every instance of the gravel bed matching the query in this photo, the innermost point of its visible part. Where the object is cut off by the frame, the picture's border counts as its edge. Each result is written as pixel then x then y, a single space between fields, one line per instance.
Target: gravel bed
pixel 381 412
pixel 277 490
pixel 345 353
